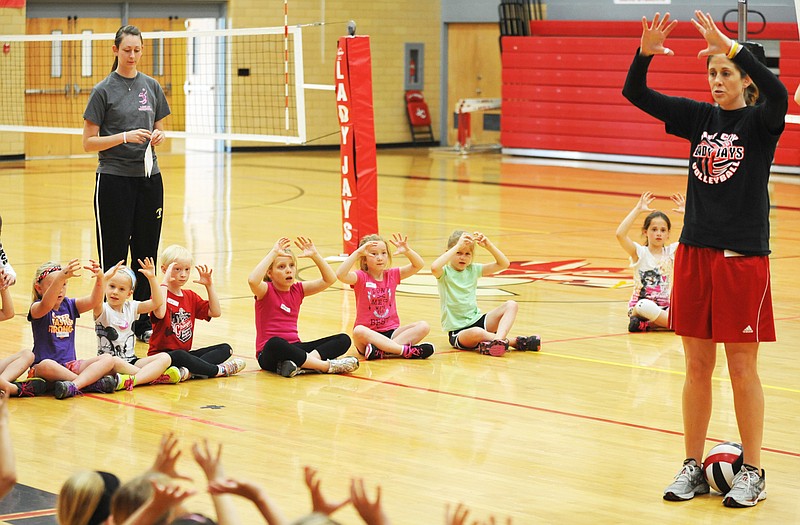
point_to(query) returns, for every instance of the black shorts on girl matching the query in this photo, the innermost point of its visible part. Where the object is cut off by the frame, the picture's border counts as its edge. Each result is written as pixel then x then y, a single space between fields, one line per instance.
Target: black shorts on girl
pixel 453 334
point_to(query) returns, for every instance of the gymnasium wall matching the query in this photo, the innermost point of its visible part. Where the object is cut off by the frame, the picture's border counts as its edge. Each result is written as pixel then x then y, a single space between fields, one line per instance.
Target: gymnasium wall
pixel 773 10
pixel 12 21
pixel 389 27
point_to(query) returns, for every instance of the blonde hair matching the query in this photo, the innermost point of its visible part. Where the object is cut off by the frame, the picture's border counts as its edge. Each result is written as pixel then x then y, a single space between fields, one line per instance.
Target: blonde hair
pixel 286 253
pixel 79 497
pixel 41 272
pixel 175 252
pixel 454 237
pixel 124 270
pixel 133 494
pixel 362 261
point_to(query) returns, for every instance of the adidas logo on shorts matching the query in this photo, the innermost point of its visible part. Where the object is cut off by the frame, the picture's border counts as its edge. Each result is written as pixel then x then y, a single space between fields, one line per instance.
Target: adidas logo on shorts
pixel 747 330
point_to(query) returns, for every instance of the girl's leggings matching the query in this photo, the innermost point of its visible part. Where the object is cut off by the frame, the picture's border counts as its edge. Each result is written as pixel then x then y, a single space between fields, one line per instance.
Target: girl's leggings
pixel 279 349
pixel 203 361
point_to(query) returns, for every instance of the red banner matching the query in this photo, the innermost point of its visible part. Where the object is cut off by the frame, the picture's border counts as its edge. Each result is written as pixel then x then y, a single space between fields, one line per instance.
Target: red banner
pixel 12 3
pixel 359 188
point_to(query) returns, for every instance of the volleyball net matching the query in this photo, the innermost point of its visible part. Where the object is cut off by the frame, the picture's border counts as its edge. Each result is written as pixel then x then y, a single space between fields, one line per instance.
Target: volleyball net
pixel 230 84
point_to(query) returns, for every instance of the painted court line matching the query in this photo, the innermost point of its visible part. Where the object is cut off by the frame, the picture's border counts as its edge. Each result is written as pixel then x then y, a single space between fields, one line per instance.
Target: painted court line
pixel 556 412
pixel 166 413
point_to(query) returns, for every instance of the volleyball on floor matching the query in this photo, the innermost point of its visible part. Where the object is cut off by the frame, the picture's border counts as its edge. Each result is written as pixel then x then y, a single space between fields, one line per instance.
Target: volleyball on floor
pixel 723 462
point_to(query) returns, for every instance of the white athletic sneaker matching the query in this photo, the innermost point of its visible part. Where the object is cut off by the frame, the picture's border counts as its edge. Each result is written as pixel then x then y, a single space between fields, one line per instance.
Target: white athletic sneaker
pixel 343 365
pixel 748 488
pixel 688 483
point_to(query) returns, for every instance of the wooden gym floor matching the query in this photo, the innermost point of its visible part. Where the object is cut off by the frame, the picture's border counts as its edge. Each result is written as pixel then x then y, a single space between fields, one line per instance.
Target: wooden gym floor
pixel 586 431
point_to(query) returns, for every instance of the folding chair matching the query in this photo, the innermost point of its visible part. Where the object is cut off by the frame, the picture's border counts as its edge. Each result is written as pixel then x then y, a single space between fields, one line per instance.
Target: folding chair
pixel 419 118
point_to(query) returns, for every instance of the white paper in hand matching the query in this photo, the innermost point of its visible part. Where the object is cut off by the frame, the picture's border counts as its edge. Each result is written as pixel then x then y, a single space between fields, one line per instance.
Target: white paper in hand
pixel 148 160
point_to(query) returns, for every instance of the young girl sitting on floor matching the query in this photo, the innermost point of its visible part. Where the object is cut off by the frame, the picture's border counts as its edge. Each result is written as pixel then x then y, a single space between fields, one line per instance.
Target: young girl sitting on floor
pixel 457 279
pixel 278 298
pixel 377 331
pixel 652 264
pixel 52 316
pixel 114 327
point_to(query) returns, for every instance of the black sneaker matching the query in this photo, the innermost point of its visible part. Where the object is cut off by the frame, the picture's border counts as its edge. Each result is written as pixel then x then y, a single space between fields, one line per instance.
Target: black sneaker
pixel 287 368
pixel 419 351
pixel 32 387
pixel 371 352
pixel 532 343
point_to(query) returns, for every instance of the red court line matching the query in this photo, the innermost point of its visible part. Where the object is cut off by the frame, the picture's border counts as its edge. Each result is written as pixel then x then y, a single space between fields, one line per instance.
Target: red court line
pixel 590 191
pixel 166 413
pixel 30 514
pixel 558 412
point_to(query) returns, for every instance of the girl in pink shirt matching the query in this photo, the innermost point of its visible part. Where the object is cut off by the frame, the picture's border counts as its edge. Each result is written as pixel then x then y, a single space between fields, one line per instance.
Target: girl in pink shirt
pixel 278 296
pixel 377 331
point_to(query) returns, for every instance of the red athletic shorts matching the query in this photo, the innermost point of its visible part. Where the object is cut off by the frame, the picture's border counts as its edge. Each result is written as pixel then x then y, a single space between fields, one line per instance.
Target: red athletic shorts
pixel 723 298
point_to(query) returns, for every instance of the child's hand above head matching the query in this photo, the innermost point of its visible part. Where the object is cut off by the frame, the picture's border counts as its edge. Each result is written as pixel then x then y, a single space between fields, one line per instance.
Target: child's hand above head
pixel 400 242
pixel 71 269
pixel 7 279
pixel 370 511
pixel 243 488
pixel 480 239
pixel 148 267
pixel 205 275
pixel 465 241
pixel 644 202
pixel 306 247
pixel 318 501
pixel 168 496
pixel 208 461
pixel 282 245
pixel 112 271
pixel 97 270
pixel 680 202
pixel 167 457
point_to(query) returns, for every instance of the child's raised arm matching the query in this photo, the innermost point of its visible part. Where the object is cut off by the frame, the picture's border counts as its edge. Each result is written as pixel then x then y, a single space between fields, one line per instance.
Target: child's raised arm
pixel 247 489
pixel 40 308
pixel 343 272
pixel 95 297
pixel 214 309
pixel 680 202
pixel 328 276
pixel 211 464
pixel 7 309
pixel 500 263
pixel 415 262
pixel 148 269
pixel 437 266
pixel 256 277
pixel 98 308
pixel 642 205
pixel 162 290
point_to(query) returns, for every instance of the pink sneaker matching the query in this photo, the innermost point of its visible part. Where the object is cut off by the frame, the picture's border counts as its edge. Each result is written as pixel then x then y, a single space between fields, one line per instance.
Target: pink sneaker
pixel 494 348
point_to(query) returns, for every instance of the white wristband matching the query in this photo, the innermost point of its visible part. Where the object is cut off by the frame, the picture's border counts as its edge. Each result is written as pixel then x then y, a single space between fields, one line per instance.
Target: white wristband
pixel 124 137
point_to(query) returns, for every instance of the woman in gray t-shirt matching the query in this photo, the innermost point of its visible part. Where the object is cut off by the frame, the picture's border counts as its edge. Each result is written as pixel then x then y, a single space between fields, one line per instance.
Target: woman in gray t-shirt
pixel 123 122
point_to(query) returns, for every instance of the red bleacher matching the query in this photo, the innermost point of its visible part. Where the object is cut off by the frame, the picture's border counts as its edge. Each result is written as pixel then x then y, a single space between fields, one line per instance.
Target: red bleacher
pixel 562 88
